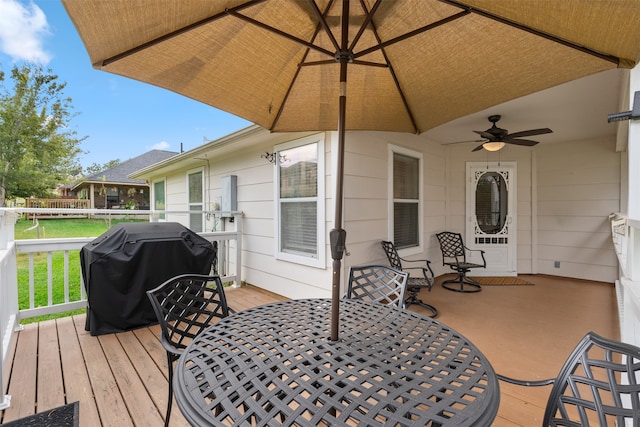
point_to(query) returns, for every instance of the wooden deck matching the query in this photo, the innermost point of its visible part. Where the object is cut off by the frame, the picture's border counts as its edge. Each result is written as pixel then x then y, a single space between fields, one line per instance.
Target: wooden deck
pixel 120 379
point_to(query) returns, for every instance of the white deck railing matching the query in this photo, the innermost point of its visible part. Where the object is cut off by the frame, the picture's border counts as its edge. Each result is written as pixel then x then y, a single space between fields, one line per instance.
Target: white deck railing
pixel 626 241
pixel 8 295
pixel 229 269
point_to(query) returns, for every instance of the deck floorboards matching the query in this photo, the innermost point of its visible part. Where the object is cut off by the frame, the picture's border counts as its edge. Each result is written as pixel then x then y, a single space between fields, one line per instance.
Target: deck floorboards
pixel 121 379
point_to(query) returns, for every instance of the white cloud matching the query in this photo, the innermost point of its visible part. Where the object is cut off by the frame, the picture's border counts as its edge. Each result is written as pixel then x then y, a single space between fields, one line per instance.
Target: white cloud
pixel 22 30
pixel 164 145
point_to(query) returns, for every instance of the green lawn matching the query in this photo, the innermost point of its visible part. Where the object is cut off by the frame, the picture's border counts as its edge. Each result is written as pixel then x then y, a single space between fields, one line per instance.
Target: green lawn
pixel 61 228
pixel 54 228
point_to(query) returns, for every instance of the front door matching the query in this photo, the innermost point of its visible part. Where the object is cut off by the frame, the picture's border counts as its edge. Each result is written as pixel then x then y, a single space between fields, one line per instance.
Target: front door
pixel 491 216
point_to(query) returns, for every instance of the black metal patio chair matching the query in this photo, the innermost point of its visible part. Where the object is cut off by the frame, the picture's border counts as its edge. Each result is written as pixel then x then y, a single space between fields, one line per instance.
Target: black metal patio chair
pixel 377 283
pixel 454 255
pixel 424 280
pixel 184 306
pixel 598 385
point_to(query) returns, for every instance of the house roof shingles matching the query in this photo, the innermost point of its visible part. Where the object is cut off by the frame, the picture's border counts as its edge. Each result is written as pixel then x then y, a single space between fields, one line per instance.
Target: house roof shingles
pixel 120 173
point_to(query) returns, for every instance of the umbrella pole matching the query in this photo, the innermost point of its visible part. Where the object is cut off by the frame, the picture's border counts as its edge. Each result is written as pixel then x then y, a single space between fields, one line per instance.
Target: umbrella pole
pixel 338 235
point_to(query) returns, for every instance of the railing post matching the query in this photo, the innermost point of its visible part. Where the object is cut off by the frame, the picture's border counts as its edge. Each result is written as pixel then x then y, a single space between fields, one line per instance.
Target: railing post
pixel 8 295
pixel 238 222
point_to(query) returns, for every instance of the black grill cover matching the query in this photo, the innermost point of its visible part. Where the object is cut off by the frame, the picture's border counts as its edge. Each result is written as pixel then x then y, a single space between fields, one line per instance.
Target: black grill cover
pixel 130 258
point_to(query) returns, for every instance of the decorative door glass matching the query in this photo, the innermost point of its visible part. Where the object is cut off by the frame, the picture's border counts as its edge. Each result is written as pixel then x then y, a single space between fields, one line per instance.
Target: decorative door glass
pixel 491 202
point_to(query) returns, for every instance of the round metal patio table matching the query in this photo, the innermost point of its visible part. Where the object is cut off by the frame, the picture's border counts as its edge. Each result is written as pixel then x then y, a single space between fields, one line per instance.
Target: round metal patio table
pixel 275 365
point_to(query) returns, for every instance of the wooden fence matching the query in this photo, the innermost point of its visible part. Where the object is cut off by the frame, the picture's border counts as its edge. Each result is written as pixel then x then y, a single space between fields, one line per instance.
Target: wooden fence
pixel 57 204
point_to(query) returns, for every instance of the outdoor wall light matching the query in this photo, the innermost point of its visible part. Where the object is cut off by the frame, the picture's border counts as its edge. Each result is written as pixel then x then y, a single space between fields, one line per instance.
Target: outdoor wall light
pixel 493 145
pixel 271 157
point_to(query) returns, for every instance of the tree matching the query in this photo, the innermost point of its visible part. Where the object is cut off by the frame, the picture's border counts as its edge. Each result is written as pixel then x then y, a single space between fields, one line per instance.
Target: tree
pixel 37 149
pixel 96 167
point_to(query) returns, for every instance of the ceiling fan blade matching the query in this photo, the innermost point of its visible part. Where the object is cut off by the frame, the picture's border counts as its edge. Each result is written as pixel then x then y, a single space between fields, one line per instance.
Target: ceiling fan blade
pixel 531 132
pixel 525 142
pixel 484 134
pixel 478 148
pixel 462 142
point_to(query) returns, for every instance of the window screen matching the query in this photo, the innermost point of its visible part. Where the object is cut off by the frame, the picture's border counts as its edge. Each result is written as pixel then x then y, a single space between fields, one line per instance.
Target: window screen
pixel 406 200
pixel 298 200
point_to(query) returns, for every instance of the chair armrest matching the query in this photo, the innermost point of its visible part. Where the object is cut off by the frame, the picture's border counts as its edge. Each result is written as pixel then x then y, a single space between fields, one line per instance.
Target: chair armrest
pixel 535 383
pixel 427 272
pixel 484 261
pixel 175 352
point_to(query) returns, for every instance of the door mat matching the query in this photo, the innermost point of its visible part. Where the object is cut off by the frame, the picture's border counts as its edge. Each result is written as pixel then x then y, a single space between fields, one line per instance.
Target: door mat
pixel 63 416
pixel 501 281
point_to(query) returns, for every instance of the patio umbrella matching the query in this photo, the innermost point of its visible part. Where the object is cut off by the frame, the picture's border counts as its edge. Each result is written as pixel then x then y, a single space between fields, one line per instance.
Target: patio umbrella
pixel 389 65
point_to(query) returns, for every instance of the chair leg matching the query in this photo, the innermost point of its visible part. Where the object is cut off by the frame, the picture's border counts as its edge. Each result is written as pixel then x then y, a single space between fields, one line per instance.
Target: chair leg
pixel 170 399
pixel 461 281
pixel 413 299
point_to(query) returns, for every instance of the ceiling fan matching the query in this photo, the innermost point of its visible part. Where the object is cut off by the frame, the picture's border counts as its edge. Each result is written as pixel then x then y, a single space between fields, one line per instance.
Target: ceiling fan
pixel 495 138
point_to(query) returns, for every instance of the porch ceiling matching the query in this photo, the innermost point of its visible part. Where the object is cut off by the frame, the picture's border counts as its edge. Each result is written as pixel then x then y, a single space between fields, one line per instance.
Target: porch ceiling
pixel 575 110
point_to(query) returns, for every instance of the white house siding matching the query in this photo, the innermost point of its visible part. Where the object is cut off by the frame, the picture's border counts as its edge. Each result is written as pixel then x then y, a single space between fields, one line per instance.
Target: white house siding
pixel 578 188
pixel 176 197
pixel 456 218
pixel 525 192
pixel 255 185
pixel 565 193
pixel 366 195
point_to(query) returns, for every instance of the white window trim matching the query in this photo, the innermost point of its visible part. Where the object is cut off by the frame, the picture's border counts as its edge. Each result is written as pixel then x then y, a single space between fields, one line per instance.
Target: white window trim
pixel 319 261
pixel 391 150
pixel 152 201
pixel 191 172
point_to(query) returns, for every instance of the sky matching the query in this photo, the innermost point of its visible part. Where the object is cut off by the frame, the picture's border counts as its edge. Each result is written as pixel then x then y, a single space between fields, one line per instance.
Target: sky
pixel 121 118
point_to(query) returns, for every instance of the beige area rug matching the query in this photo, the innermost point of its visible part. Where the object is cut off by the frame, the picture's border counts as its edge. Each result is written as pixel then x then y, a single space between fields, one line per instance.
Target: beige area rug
pixel 501 281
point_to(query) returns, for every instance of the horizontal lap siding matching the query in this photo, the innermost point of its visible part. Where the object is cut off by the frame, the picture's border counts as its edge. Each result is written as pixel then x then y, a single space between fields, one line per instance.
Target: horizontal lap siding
pixel 578 187
pixel 367 194
pixel 365 198
pixel 256 199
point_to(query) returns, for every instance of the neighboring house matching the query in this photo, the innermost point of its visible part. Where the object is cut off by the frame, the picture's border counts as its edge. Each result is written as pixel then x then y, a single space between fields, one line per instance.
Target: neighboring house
pixel 64 190
pixel 113 189
pixel 556 200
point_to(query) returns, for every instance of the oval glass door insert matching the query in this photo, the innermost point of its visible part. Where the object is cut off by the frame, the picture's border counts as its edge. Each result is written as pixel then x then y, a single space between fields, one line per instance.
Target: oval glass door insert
pixel 491 202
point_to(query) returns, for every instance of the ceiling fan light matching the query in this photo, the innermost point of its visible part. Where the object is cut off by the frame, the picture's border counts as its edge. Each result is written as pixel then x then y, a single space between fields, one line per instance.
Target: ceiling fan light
pixel 493 145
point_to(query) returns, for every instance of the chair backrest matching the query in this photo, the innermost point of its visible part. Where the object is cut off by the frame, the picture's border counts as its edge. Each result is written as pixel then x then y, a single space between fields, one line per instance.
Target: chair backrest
pixel 598 385
pixel 451 245
pixel 377 283
pixel 392 254
pixel 186 304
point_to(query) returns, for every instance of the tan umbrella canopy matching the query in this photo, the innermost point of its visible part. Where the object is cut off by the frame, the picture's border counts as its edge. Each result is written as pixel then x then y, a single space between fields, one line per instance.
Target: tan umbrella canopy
pixel 392 65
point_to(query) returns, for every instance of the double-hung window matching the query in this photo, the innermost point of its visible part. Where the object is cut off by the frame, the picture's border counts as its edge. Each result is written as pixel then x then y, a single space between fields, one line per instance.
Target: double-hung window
pixel 406 197
pixel 300 201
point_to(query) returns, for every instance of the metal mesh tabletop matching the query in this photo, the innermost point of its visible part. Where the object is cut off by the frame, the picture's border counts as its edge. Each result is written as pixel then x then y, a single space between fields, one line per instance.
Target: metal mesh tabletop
pixel 275 365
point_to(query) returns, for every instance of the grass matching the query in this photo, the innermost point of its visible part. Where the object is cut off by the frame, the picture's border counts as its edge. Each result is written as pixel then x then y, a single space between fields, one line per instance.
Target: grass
pixel 64 228
pixel 54 228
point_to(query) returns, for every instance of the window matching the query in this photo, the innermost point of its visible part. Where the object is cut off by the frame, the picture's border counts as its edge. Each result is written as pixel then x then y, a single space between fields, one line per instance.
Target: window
pixel 112 196
pixel 406 203
pixel 159 198
pixel 195 193
pixel 491 203
pixel 300 201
